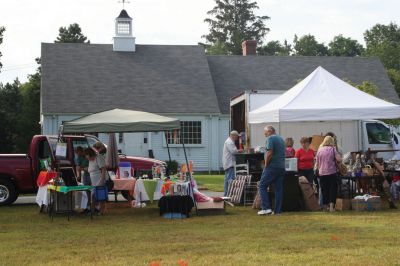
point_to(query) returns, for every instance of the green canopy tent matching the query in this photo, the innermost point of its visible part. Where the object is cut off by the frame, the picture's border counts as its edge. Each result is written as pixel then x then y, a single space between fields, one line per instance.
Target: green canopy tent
pixel 120 120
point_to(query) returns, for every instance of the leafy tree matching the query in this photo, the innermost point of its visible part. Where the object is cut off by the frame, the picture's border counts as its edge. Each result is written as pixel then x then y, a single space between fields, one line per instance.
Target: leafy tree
pixel 28 122
pixel 383 41
pixel 341 46
pixel 231 22
pixel 394 76
pixel 72 34
pixel 307 45
pixel 366 86
pixel 217 49
pixel 275 48
pixel 10 102
pixel 2 29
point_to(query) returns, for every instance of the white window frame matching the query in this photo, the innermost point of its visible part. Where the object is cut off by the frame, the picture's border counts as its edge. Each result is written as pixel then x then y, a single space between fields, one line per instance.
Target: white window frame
pixel 202 123
pixel 125 27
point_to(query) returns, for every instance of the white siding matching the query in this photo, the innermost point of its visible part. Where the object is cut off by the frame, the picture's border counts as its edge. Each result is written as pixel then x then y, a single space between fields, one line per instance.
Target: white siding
pixel 199 155
pixel 223 134
pixel 51 123
pixel 205 158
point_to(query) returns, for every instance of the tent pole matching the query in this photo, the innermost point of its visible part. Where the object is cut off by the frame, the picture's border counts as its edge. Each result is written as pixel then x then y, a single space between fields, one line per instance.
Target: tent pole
pixel 188 174
pixel 166 141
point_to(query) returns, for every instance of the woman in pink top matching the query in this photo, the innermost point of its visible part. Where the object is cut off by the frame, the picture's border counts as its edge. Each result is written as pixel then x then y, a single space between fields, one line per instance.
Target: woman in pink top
pixel 327 156
pixel 289 152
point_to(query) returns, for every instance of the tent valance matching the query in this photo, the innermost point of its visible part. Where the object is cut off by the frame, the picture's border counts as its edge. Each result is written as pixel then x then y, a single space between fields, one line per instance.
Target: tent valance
pixel 322 96
pixel 119 120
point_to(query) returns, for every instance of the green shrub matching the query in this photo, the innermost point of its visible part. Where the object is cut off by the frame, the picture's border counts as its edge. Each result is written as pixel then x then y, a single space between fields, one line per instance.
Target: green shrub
pixel 172 167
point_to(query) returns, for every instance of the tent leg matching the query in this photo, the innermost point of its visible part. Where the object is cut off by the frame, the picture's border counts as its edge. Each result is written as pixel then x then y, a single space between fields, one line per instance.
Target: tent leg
pixel 189 174
pixel 166 141
pixel 187 162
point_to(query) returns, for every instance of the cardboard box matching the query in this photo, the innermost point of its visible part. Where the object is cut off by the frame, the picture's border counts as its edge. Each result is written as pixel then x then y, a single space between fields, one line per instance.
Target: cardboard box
pixel 372 204
pixel 316 141
pixel 343 204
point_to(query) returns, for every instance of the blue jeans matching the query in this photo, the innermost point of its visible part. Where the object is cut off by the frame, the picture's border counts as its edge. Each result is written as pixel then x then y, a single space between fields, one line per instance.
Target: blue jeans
pixel 229 175
pixel 272 175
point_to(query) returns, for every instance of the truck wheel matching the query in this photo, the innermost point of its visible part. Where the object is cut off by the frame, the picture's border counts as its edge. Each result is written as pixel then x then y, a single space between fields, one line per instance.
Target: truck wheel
pixel 8 194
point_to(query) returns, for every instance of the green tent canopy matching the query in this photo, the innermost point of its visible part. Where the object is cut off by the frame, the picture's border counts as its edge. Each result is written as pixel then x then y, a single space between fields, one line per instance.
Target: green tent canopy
pixel 119 120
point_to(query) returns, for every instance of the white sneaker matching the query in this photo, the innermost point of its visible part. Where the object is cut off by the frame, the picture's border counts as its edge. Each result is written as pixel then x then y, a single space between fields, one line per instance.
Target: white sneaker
pixel 264 212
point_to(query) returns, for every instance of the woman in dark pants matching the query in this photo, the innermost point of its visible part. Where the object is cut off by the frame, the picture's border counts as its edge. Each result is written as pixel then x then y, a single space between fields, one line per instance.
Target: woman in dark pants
pixel 327 157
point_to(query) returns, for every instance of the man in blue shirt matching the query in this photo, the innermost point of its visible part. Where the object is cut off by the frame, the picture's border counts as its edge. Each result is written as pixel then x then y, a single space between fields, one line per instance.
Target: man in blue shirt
pixel 274 170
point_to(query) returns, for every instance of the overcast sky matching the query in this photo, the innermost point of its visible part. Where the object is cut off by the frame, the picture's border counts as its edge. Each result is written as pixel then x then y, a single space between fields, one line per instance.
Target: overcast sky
pixel 28 22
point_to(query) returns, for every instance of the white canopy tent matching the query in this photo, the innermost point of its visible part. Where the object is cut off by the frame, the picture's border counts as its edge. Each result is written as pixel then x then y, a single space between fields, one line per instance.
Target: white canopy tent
pixel 322 96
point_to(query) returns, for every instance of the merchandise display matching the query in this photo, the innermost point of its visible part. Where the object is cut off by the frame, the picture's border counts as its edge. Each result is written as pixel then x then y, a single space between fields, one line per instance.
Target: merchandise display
pixel 61 200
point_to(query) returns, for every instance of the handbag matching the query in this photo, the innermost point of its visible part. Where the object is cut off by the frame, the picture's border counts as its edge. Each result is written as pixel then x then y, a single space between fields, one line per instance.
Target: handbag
pixel 109 183
pixel 341 168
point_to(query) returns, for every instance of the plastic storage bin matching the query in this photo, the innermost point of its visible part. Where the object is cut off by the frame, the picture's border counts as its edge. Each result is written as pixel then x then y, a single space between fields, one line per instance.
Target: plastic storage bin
pixel 101 193
pixel 291 164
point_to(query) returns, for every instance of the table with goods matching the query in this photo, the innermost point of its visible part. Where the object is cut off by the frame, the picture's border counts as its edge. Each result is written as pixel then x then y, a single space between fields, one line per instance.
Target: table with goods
pixel 61 198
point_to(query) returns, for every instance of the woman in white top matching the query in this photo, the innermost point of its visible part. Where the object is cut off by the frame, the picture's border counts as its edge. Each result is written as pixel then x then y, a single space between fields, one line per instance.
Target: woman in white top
pixel 97 171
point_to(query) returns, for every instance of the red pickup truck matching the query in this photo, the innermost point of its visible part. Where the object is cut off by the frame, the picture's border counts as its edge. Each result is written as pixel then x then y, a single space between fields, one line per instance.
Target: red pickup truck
pixel 18 172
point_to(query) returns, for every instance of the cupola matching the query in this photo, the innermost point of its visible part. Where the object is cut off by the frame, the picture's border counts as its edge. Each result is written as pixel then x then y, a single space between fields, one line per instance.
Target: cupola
pixel 123 40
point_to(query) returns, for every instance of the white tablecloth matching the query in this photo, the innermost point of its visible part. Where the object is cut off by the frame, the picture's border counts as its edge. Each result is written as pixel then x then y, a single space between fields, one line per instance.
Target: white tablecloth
pixel 43 196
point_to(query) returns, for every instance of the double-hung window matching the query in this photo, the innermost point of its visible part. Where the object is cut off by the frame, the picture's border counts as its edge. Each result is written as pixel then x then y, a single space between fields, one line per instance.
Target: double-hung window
pixel 190 134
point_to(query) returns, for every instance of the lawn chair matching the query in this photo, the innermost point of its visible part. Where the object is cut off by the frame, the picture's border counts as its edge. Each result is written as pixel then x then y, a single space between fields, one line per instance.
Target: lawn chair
pixel 236 188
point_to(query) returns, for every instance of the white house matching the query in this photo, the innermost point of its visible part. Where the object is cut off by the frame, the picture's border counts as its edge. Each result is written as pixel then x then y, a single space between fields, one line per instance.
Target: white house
pixel 174 80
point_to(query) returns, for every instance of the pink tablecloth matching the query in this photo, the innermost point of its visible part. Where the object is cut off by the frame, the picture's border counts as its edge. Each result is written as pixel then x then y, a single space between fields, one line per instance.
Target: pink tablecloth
pixel 124 184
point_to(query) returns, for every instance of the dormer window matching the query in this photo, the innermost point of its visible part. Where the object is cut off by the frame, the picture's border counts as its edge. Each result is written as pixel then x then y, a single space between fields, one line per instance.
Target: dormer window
pixel 124 28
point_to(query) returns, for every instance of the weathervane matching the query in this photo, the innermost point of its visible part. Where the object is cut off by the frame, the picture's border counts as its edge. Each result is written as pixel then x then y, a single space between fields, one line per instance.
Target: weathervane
pixel 123 3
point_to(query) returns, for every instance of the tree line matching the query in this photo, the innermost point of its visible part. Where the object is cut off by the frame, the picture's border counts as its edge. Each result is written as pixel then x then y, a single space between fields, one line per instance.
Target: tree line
pixel 20 102
pixel 233 21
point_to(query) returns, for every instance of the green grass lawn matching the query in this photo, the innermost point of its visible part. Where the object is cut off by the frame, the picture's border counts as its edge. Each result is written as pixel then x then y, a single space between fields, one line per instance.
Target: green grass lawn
pixel 210 182
pixel 126 236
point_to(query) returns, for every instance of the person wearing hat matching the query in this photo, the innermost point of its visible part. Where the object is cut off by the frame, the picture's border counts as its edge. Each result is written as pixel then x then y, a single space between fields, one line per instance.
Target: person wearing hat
pixel 228 159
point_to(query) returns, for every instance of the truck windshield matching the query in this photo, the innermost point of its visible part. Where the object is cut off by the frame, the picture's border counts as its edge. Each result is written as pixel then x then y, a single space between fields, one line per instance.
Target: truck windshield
pixel 378 133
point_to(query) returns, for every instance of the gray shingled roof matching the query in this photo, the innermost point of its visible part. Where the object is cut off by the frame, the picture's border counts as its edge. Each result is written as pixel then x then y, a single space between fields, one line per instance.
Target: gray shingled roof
pixel 123 14
pixel 234 74
pixel 87 78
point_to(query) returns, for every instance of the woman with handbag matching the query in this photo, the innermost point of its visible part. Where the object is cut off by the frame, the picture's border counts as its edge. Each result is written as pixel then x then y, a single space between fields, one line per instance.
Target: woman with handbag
pixel 97 170
pixel 327 160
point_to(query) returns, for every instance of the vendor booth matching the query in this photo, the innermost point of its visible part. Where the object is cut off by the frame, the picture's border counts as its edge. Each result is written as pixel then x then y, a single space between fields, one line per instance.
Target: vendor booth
pixel 321 103
pixel 177 194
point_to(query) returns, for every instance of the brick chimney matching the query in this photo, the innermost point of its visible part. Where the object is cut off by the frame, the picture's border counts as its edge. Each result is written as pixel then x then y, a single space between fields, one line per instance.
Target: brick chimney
pixel 249 47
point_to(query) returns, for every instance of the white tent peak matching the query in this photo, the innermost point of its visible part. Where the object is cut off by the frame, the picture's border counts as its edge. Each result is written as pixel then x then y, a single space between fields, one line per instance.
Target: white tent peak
pixel 321 96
